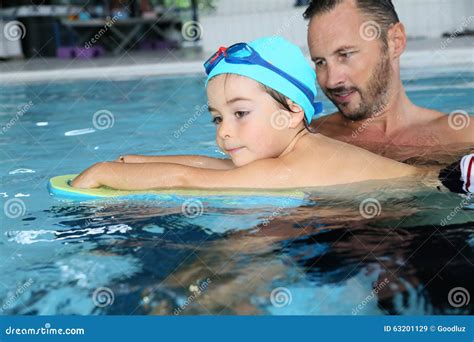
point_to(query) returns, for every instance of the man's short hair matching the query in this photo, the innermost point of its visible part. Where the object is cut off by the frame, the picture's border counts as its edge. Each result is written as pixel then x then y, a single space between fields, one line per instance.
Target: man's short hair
pixel 381 11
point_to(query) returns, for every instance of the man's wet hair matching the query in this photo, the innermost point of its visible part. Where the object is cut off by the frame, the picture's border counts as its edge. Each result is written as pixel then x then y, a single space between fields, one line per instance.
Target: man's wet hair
pixel 381 11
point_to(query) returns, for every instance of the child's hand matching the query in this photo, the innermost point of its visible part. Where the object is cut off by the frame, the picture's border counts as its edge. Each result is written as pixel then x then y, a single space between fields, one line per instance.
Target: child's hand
pixel 120 159
pixel 89 178
pixel 130 158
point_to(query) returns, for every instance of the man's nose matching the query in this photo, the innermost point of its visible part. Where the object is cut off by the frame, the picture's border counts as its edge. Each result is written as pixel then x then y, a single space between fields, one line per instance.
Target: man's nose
pixel 335 75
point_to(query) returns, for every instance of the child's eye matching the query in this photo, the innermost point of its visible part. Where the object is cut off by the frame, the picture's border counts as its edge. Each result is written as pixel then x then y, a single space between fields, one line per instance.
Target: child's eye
pixel 216 120
pixel 241 114
pixel 347 54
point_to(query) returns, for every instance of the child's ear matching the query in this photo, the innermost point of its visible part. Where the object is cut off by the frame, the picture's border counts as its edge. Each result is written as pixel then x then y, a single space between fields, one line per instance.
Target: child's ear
pixel 297 114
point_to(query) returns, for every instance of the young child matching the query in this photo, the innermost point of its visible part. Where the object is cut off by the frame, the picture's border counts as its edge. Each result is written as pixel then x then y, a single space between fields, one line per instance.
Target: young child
pixel 261 96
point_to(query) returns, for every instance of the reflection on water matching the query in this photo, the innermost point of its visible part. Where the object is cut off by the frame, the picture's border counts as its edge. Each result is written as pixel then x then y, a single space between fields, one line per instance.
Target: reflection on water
pixel 395 252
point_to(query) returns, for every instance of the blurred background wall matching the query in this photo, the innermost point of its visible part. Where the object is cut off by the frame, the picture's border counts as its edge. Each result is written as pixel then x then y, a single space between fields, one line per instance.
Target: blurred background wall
pixel 63 28
pixel 247 19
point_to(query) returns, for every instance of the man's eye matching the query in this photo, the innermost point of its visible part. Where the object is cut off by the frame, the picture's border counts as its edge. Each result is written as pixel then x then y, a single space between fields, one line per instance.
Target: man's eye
pixel 216 120
pixel 347 54
pixel 241 114
pixel 319 63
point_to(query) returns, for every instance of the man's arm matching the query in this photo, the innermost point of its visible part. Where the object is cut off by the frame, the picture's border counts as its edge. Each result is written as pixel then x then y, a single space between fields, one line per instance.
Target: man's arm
pixel 189 160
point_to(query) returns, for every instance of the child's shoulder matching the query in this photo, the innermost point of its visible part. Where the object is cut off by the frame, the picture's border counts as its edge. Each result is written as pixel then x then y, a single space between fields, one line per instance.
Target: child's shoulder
pixel 317 142
pixel 308 148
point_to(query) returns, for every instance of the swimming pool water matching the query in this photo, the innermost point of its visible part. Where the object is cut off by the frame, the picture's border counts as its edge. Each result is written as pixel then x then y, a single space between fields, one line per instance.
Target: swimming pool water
pixel 325 256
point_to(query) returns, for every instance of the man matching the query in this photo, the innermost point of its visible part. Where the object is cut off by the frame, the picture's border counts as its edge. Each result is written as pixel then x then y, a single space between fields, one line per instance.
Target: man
pixel 356 46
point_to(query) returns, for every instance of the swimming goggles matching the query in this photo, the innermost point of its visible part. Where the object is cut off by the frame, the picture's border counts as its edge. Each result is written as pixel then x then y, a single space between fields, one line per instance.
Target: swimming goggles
pixel 242 53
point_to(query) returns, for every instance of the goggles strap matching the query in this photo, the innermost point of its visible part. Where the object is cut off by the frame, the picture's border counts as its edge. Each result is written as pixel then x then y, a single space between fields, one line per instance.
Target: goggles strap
pixel 222 51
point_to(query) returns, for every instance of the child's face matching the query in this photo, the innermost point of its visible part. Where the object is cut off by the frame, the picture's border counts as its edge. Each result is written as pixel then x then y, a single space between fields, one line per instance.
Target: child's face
pixel 250 124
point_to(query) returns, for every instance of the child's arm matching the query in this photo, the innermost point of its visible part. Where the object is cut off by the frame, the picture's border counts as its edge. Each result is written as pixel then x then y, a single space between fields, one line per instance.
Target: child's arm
pixel 267 173
pixel 189 160
pixel 272 173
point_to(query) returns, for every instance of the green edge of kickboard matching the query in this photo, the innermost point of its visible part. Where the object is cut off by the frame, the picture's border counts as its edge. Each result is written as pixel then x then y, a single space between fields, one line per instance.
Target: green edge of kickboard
pixel 60 186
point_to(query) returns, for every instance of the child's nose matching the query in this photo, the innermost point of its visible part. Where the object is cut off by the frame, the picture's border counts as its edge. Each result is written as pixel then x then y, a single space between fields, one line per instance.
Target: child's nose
pixel 225 130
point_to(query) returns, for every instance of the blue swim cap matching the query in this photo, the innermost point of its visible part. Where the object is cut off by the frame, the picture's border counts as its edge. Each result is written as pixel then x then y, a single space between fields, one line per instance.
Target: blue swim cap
pixel 285 56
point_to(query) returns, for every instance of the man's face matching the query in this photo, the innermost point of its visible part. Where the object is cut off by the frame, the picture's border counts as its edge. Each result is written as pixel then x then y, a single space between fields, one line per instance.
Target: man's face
pixel 352 68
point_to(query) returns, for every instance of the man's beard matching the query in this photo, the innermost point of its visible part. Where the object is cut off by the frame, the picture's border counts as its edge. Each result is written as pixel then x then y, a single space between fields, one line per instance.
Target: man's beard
pixel 373 99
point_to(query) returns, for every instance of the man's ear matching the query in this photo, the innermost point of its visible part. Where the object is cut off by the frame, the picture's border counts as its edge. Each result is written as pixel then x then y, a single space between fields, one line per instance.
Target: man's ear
pixel 297 113
pixel 397 40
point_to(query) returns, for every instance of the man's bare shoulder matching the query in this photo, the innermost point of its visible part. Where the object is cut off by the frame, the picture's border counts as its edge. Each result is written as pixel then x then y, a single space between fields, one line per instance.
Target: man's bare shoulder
pixel 427 114
pixel 456 127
